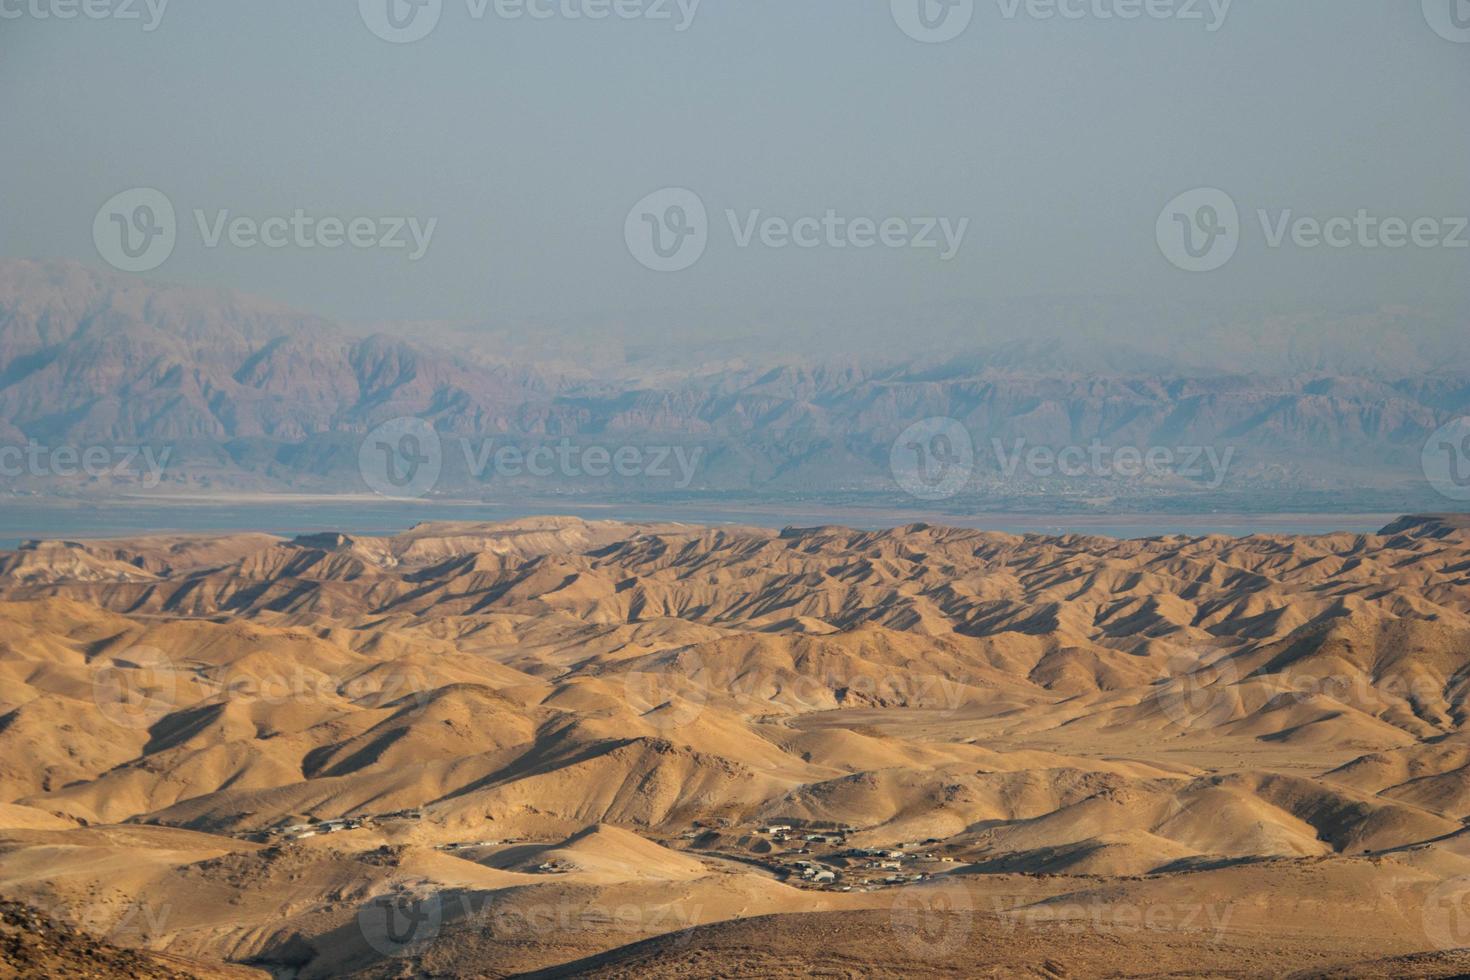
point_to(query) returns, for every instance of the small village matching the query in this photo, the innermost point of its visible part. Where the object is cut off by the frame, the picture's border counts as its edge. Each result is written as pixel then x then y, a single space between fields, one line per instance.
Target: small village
pixel 814 855
pixel 304 828
pixel 805 854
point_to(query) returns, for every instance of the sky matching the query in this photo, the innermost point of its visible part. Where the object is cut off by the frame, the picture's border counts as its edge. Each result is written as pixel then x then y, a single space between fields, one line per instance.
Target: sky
pixel 1034 153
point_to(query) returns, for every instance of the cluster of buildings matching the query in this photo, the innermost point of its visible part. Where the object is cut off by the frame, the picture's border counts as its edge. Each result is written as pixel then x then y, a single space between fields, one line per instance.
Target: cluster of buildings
pixel 837 865
pixel 815 874
pixel 786 832
pixel 301 831
pixel 815 854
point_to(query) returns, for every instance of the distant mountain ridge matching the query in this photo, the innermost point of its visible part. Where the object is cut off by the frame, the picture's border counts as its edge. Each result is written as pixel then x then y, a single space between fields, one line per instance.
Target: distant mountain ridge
pixel 252 395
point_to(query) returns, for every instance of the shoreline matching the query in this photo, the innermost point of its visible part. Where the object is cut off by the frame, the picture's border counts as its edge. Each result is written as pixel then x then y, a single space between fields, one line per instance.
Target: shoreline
pixel 289 515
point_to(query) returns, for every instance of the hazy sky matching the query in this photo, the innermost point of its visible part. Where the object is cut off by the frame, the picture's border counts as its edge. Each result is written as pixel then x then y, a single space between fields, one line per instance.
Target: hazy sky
pixel 1058 139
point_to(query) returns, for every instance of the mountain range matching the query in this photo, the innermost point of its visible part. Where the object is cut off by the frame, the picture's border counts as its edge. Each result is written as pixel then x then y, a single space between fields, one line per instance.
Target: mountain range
pixel 247 395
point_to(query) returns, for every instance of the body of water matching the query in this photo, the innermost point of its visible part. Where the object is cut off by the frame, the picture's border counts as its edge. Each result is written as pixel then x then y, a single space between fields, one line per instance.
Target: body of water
pixel 23 518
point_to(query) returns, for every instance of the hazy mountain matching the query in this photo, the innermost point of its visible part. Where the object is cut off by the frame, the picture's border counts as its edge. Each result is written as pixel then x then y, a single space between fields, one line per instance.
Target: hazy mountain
pixel 243 393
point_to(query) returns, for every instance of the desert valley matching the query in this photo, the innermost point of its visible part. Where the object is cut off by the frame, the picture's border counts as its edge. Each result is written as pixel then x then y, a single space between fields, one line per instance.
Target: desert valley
pixel 558 747
pixel 656 489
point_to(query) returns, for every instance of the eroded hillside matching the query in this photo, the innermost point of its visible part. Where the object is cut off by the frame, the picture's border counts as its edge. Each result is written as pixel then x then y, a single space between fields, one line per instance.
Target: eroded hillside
pixel 553 738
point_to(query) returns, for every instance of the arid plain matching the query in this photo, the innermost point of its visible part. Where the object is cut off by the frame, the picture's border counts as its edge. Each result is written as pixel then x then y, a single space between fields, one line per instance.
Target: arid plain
pixel 573 748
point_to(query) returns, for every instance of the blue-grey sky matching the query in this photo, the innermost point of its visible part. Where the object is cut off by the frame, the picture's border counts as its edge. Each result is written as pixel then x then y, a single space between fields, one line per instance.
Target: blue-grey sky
pixel 1059 139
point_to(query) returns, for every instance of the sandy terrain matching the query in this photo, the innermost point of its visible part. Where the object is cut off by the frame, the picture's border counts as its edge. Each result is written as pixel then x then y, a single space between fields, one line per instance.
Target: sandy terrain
pixel 659 750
